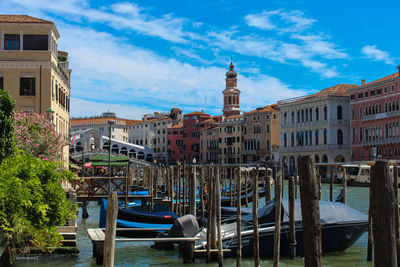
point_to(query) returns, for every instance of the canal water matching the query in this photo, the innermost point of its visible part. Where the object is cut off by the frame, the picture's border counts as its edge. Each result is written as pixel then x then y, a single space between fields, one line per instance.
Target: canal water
pixel 140 254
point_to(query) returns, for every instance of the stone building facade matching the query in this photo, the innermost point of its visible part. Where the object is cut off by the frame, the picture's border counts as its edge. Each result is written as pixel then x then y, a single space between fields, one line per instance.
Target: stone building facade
pixel 375 119
pixel 152 132
pixel 35 73
pixel 317 125
pixel 260 133
pixel 230 137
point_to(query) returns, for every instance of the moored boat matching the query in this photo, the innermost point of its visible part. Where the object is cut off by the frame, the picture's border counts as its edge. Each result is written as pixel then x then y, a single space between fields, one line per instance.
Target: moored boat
pixel 341 226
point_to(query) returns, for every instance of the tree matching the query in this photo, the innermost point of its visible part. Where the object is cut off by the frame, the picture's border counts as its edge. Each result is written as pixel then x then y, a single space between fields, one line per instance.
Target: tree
pixel 6 125
pixel 35 135
pixel 32 201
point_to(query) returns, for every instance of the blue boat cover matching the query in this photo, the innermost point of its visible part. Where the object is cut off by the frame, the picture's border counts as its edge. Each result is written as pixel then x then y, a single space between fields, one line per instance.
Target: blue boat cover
pixel 129 224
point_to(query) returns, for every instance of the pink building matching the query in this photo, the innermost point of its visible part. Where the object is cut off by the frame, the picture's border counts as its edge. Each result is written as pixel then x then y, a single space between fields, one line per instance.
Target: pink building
pixel 375 119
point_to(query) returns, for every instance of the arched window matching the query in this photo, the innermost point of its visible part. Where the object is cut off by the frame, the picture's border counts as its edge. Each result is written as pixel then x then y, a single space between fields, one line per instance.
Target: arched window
pixel 310 114
pixel 267 128
pixel 292 139
pixel 316 114
pixel 339 112
pixel 339 137
pixel 285 118
pixel 316 138
pixel 285 139
pixel 325 113
pixel 325 137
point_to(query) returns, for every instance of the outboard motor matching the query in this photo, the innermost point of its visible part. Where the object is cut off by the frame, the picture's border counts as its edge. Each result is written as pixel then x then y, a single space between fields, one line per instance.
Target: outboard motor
pixel 185 226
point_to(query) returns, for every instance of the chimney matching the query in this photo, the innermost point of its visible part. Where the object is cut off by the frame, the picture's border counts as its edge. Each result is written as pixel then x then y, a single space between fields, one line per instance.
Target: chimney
pixel 398 67
pixel 362 81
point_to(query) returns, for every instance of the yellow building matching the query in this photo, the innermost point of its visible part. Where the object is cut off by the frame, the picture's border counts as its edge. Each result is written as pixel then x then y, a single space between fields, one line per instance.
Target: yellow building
pixel 32 69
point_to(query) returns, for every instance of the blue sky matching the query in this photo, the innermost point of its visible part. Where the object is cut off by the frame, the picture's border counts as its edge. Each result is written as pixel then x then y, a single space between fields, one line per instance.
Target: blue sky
pixel 142 56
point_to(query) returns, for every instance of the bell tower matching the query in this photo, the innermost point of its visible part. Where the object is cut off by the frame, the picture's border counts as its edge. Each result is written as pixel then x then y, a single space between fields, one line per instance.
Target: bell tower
pixel 231 93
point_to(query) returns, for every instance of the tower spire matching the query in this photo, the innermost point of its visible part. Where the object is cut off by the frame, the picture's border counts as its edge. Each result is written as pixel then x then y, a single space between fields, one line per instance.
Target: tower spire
pixel 231 93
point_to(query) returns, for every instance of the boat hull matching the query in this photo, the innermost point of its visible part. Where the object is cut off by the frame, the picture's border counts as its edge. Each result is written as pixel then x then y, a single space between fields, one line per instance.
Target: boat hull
pixel 337 237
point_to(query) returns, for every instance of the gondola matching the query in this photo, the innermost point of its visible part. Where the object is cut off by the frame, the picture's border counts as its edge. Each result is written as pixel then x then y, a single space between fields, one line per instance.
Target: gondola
pixel 159 220
pixel 341 227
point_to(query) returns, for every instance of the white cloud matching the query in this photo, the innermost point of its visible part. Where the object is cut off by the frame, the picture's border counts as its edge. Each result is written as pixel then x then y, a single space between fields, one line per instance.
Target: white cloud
pixel 132 76
pixel 372 52
pixel 292 21
pixel 85 108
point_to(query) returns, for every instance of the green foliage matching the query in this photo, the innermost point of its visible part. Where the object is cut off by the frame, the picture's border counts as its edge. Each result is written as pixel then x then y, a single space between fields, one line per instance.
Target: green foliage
pixel 32 201
pixel 6 125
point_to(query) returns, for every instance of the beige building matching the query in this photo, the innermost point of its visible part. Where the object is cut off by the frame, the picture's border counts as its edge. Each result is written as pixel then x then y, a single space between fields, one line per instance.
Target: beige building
pixel 261 133
pixel 152 132
pixel 32 69
pixel 119 129
pixel 230 137
pixel 209 146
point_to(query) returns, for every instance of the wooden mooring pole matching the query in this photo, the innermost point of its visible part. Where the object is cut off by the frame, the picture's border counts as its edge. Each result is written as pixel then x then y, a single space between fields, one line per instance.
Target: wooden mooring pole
pixel 370 214
pixel 218 211
pixel 238 219
pixel 344 180
pixel 278 211
pixel 292 227
pixel 255 219
pixel 246 179
pixel 331 186
pixel 111 226
pixel 385 249
pixel 396 210
pixel 309 196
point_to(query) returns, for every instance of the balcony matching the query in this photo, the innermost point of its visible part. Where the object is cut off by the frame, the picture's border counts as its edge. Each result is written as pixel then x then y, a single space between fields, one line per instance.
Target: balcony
pixel 385 141
pixel 312 148
pixel 313 123
pixel 381 115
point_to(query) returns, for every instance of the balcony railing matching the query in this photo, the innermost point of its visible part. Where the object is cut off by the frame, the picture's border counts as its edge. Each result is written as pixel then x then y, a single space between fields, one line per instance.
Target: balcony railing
pixel 381 115
pixel 312 148
pixel 391 140
pixel 313 123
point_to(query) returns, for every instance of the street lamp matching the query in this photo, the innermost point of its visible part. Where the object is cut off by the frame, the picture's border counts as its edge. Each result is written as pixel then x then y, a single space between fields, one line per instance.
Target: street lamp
pixel 50 114
pixel 110 124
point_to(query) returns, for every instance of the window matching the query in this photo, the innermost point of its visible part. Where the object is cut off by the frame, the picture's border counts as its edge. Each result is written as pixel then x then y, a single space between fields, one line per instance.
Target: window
pixel 352 97
pixel 316 114
pixel 392 88
pixel 1 83
pixel 325 113
pixel 325 137
pixel 11 42
pixel 339 112
pixel 360 95
pixel 35 42
pixel 372 93
pixel 366 94
pixel 379 91
pixel 27 86
pixel 316 138
pixel 385 90
pixel 339 137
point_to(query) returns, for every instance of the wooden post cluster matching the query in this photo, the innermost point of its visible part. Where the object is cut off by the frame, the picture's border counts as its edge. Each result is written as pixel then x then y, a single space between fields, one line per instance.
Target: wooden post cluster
pixel 309 196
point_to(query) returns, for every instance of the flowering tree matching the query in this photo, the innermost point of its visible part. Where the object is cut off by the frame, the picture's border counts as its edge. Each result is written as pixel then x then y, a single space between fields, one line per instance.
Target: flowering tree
pixel 35 135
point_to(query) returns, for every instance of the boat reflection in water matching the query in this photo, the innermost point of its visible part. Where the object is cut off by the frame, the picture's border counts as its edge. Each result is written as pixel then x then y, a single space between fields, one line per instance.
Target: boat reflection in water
pixel 341 226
